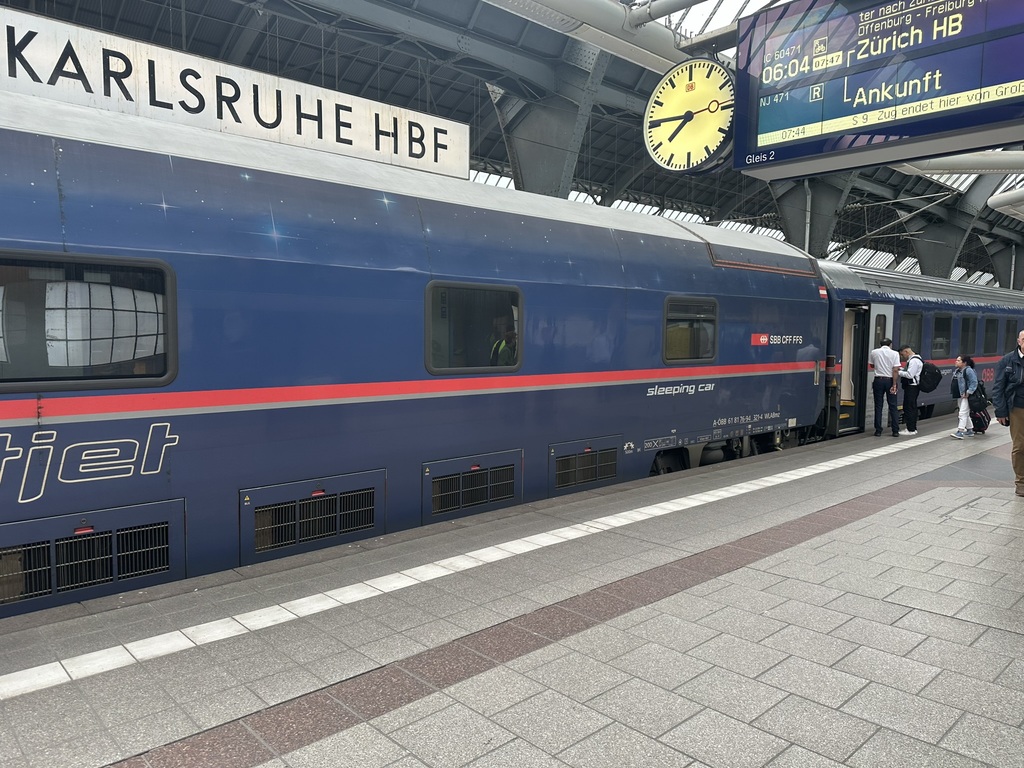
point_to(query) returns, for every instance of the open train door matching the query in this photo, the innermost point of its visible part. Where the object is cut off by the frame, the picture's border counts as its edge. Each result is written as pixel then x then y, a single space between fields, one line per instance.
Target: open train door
pixel 853 381
pixel 880 328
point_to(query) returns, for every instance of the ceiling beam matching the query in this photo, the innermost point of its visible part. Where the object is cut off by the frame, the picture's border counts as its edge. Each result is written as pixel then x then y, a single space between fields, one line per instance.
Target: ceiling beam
pixel 463 50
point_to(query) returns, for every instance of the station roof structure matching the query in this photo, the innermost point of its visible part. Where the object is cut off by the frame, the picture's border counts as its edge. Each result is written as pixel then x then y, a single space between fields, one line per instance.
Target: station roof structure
pixel 553 92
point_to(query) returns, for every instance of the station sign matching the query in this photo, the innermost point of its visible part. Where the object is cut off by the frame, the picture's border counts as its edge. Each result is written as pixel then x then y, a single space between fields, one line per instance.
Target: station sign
pixel 825 85
pixel 56 61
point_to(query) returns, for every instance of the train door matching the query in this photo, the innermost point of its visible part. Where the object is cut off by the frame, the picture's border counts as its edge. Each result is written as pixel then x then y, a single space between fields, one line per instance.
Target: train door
pixel 881 328
pixel 853 381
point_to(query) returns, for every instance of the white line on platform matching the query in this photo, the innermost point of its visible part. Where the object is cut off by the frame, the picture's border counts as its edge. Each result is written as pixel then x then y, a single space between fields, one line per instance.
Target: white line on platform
pixel 86 665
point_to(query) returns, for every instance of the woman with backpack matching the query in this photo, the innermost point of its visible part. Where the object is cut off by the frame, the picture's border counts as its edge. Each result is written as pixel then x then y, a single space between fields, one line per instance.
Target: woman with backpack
pixel 962 386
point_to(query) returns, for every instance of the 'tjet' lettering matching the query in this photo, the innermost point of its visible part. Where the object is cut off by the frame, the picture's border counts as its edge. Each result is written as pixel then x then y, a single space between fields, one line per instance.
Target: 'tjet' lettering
pixel 82 462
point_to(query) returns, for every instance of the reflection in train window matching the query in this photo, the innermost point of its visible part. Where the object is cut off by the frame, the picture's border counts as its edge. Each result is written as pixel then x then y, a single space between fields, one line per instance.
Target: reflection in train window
pixel 472 326
pixel 990 344
pixel 941 336
pixel 690 329
pixel 73 321
pixel 910 330
pixel 968 335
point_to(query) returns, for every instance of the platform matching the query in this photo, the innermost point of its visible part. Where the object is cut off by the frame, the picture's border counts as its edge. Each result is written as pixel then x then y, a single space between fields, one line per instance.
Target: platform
pixel 855 602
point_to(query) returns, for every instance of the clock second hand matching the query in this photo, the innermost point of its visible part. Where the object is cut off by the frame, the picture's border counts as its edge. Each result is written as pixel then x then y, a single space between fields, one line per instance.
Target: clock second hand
pixel 685 118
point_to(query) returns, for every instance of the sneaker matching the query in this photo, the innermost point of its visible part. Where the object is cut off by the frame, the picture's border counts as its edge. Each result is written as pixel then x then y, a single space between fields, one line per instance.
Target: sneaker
pixel 969 433
pixel 908 432
pixel 958 435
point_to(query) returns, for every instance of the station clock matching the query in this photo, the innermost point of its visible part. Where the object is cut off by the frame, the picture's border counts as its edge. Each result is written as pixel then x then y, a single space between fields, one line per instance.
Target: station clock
pixel 689 117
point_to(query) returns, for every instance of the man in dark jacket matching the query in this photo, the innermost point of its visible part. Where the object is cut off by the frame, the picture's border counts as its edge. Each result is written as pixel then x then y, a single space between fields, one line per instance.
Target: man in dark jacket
pixel 1008 399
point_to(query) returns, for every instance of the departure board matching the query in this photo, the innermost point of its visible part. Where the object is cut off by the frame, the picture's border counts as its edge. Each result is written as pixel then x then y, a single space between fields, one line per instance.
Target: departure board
pixel 825 84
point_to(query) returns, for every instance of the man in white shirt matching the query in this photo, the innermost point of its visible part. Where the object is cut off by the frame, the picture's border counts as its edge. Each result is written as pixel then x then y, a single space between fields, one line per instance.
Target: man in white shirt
pixel 886 364
pixel 911 387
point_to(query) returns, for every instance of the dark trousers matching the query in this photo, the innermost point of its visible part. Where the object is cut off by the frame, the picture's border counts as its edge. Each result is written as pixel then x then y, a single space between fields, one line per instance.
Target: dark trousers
pixel 880 389
pixel 910 393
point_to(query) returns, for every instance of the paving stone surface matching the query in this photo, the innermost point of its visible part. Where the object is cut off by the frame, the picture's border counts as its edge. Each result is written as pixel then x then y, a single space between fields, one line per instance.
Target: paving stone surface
pixel 842 604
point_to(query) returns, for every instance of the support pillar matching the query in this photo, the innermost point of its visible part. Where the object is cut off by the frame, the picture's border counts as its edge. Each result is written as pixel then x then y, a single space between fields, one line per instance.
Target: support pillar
pixel 1007 265
pixel 543 138
pixel 937 249
pixel 808 211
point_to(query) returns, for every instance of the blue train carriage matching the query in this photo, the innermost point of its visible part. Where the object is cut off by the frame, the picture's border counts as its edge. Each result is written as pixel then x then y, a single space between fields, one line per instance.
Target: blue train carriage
pixel 218 350
pixel 940 319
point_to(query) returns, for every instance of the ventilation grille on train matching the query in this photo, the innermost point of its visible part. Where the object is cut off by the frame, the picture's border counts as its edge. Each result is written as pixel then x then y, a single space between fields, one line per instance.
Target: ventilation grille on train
pixel 300 516
pixel 583 463
pixel 462 490
pixel 586 467
pixel 287 523
pixel 469 485
pixel 66 558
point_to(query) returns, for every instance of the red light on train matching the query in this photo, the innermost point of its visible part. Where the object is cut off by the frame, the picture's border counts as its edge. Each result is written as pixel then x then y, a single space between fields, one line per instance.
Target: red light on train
pixel 84 529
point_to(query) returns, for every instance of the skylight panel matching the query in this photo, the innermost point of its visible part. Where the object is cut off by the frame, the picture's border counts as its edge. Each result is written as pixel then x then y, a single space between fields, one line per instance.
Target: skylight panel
pixel 492 179
pixel 909 266
pixel 961 182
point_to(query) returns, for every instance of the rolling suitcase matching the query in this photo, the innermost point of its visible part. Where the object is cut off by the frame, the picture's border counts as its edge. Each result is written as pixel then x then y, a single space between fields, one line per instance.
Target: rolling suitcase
pixel 981 420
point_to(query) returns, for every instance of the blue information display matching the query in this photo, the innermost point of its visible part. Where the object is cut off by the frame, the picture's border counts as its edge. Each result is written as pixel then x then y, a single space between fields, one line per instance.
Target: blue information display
pixel 824 85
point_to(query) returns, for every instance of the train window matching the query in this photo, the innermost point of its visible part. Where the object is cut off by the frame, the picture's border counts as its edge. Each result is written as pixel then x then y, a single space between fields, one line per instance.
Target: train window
pixel 690 329
pixel 911 324
pixel 968 335
pixel 472 326
pixel 942 336
pixel 72 321
pixel 990 344
pixel 881 330
pixel 1013 328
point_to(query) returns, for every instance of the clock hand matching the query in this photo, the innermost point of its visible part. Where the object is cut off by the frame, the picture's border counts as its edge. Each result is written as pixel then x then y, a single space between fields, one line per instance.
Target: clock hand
pixel 662 120
pixel 714 106
pixel 686 118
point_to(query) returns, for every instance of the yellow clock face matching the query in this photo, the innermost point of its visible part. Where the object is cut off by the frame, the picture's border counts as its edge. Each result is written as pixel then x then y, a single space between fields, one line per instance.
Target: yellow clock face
pixel 688 122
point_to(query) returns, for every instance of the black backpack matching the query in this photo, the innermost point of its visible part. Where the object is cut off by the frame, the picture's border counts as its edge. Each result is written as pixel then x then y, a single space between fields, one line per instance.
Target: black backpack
pixel 978 400
pixel 930 375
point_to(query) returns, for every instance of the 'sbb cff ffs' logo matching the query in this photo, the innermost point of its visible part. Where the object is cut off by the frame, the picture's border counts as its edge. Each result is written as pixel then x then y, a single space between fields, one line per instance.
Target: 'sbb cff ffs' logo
pixel 759 339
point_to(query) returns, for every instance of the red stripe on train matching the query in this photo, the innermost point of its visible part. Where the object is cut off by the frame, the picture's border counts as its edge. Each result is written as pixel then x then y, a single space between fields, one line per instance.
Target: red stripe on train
pixel 97 405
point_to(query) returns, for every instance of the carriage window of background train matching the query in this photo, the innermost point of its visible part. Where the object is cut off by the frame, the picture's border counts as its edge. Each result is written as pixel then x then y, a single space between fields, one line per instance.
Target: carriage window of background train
pixel 990 344
pixel 77 321
pixel 1010 332
pixel 691 329
pixel 968 335
pixel 911 324
pixel 942 335
pixel 465 322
